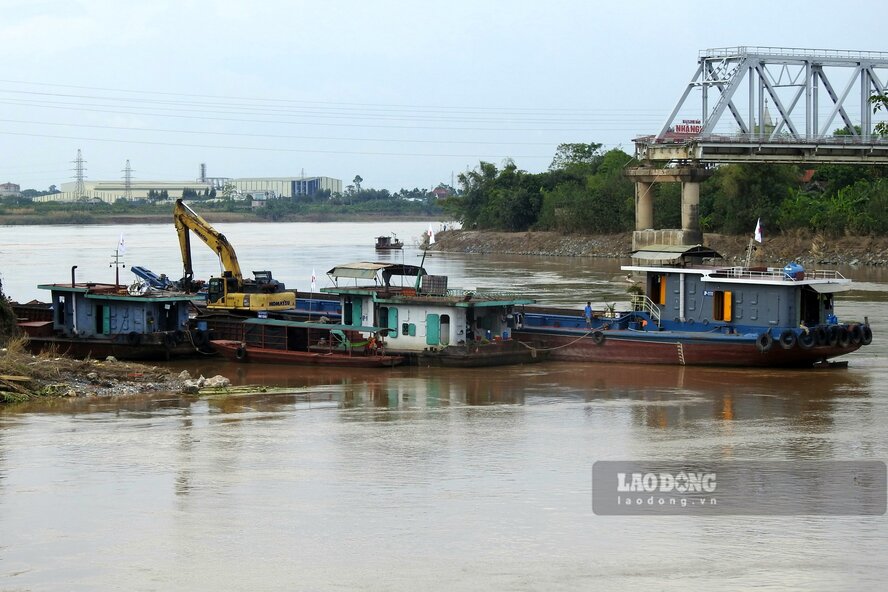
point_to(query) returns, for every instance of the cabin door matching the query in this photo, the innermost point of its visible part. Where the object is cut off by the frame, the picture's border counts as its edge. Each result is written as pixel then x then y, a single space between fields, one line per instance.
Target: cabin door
pixel 356 312
pixel 103 319
pixel 433 329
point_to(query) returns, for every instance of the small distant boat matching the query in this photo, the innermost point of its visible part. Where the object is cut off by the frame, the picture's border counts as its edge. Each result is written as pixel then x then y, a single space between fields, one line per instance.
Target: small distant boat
pixel 277 341
pixel 388 243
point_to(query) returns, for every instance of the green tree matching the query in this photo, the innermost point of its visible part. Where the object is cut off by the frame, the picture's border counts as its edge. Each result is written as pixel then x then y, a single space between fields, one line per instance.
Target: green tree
pixel 567 155
pixel 743 193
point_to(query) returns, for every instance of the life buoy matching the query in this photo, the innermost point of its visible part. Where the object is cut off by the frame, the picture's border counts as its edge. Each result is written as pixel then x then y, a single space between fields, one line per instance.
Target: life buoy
pixel 806 340
pixel 866 335
pixel 597 337
pixel 764 342
pixel 787 339
pixel 133 338
pixel 856 334
pixel 240 354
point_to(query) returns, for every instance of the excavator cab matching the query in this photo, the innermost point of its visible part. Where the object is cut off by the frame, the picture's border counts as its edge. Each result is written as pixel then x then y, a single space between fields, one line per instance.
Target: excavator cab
pixel 216 290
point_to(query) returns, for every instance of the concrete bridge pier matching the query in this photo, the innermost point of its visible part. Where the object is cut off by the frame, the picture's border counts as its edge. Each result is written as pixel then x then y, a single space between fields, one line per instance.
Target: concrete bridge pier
pixel 690 178
pixel 644 205
pixel 690 213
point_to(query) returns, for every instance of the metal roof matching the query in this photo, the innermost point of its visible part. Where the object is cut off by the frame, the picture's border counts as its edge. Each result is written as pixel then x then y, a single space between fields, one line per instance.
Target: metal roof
pixel 673 253
pixel 367 270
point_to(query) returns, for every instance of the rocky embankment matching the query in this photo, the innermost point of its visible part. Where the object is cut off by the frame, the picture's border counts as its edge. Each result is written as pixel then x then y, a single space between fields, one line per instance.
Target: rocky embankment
pixel 24 376
pixel 808 249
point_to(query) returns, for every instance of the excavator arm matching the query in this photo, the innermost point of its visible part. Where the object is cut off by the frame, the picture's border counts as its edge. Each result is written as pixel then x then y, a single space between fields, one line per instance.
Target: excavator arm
pixel 187 221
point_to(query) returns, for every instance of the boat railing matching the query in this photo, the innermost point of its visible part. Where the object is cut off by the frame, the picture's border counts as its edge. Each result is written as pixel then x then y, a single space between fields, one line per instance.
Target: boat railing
pixel 642 303
pixel 778 273
pixel 482 294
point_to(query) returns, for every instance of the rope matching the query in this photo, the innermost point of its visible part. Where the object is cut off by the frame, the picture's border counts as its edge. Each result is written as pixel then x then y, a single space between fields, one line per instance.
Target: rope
pixel 544 349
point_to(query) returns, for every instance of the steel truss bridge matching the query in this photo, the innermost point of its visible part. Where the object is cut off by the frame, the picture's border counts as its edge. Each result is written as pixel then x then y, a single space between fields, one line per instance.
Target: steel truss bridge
pixel 808 92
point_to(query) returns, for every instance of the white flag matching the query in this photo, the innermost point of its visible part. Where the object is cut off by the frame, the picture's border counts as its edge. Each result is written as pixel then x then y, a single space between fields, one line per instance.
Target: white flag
pixel 431 235
pixel 121 246
pixel 758 230
pixel 314 281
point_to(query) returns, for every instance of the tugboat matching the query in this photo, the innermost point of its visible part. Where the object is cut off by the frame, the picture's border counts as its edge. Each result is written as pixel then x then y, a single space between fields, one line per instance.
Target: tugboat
pixel 690 314
pixel 388 243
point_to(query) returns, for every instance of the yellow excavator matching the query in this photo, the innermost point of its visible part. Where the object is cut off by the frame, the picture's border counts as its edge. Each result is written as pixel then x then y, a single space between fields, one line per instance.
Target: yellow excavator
pixel 229 292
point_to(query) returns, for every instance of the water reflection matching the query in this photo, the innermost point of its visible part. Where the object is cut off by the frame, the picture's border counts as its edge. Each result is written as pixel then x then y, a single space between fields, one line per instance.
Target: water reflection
pixel 661 397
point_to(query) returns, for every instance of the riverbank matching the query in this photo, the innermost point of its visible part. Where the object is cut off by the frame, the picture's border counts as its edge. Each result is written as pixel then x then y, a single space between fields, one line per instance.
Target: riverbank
pixel 214 217
pixel 24 376
pixel 806 248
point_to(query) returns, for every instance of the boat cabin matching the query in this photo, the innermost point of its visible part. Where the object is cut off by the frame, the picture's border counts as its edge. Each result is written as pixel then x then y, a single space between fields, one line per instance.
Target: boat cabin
pixel 388 242
pixel 682 293
pixel 419 310
pixel 91 310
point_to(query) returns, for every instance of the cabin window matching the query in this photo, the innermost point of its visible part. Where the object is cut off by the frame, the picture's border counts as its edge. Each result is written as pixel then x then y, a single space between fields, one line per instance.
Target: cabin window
pixel 408 329
pixel 445 329
pixel 60 311
pixel 721 305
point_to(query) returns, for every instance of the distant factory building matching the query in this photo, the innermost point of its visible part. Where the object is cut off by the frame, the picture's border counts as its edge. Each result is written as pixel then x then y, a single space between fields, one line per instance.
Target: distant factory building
pixel 111 191
pixel 292 187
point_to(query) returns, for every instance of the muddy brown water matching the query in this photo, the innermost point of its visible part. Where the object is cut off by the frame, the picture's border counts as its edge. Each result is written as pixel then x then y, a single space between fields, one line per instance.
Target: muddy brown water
pixel 417 478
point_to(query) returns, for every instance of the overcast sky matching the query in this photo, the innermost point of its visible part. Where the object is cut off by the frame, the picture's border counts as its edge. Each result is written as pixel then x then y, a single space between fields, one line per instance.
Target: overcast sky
pixel 404 94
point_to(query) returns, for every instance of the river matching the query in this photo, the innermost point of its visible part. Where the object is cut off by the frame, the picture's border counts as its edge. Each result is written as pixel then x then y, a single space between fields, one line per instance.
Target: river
pixel 416 478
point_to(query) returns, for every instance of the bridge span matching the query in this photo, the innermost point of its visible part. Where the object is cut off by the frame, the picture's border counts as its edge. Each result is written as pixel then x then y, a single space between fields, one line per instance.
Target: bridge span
pixel 760 105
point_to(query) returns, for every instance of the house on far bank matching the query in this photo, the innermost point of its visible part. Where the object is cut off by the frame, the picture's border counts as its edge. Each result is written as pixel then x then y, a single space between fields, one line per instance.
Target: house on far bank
pixel 10 190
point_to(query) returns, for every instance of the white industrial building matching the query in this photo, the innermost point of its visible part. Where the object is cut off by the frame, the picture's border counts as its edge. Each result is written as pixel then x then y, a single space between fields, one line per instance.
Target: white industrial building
pixel 111 191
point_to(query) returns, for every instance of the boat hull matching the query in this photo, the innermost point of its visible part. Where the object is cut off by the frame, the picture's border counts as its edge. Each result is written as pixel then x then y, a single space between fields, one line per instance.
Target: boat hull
pixel 496 353
pixel 99 349
pixel 672 347
pixel 237 351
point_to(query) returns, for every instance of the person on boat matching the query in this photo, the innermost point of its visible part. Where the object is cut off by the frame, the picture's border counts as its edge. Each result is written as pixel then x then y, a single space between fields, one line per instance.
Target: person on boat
pixel 587 312
pixel 372 346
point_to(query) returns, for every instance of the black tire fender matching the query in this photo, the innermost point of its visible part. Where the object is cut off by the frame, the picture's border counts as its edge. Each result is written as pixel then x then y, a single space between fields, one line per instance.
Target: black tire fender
pixel 806 340
pixel 856 334
pixel 597 337
pixel 866 335
pixel 788 339
pixel 844 337
pixel 821 336
pixel 764 342
pixel 240 353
